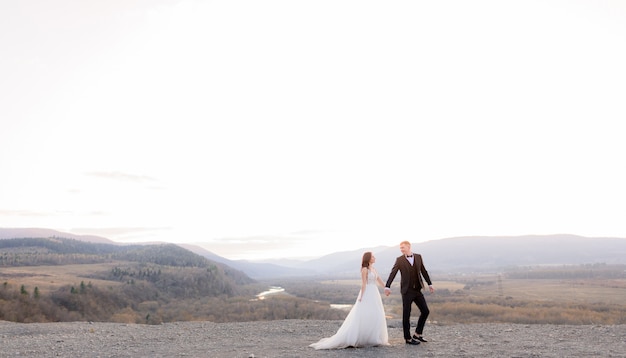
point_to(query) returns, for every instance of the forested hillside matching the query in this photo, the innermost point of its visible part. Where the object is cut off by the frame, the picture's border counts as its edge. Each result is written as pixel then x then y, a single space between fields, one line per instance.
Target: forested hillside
pixel 61 251
pixel 142 273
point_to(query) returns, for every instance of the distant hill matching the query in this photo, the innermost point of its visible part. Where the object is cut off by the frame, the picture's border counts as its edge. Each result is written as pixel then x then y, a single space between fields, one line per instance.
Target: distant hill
pixel 64 251
pixel 18 233
pixel 135 283
pixel 255 270
pixel 348 263
pixel 487 253
pixel 252 269
pixel 530 250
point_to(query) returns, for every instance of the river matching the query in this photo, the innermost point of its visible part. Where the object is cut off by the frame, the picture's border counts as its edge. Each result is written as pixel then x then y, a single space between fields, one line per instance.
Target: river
pixel 276 290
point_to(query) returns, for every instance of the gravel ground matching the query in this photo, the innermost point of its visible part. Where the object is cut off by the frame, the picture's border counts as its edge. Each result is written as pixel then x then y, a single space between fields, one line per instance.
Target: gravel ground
pixel 290 338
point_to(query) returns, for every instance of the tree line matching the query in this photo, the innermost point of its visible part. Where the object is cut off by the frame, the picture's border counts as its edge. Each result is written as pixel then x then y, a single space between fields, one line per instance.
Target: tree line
pixel 139 302
pixel 161 274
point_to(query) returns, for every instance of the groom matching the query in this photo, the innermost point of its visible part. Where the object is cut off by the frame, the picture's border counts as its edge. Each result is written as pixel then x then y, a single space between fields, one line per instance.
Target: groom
pixel 411 284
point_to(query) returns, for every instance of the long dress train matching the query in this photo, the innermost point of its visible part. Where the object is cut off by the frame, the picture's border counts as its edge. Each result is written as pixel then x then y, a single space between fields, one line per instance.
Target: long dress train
pixel 365 325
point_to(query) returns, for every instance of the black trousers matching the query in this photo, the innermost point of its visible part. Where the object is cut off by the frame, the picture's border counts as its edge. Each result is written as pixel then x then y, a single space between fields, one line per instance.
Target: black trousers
pixel 413 296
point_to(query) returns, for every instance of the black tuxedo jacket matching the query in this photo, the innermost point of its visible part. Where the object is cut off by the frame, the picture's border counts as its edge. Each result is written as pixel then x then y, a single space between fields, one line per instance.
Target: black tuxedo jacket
pixel 404 266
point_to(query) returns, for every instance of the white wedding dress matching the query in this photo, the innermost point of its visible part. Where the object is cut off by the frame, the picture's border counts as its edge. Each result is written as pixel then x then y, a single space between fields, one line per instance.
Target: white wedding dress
pixel 365 325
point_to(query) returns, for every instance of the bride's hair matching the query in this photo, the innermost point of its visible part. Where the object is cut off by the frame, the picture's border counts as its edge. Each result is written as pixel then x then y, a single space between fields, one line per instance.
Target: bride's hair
pixel 366 259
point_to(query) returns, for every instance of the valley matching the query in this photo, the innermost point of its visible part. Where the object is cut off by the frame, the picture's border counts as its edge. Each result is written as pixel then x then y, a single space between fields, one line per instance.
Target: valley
pixel 53 280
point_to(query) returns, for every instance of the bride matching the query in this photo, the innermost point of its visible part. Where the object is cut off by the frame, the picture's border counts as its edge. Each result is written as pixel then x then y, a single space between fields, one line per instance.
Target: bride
pixel 366 324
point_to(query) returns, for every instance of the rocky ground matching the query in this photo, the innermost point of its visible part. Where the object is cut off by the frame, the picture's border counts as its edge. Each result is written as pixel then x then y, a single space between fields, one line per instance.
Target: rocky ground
pixel 290 338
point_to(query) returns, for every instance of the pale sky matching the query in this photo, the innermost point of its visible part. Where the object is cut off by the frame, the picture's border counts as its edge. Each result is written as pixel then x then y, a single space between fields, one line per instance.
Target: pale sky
pixel 275 129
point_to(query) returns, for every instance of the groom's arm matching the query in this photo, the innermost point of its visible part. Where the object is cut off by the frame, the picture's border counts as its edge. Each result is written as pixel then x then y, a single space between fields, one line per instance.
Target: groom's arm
pixel 424 272
pixel 392 274
pixel 426 276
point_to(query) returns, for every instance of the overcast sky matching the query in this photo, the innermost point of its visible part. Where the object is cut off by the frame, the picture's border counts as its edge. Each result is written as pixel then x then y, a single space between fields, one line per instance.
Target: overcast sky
pixel 297 128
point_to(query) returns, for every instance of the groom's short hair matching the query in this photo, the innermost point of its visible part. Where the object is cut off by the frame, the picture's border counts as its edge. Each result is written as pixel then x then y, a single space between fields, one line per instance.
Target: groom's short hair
pixel 405 243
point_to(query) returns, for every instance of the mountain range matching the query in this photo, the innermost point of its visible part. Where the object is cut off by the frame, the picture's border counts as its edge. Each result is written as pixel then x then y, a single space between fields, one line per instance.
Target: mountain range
pixel 454 255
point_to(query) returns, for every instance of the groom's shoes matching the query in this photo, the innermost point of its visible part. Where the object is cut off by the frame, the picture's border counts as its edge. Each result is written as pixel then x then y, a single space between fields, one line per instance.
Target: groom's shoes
pixel 420 338
pixel 412 341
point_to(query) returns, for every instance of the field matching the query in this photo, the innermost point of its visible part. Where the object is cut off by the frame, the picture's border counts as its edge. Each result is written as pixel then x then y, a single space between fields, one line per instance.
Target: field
pixel 610 291
pixel 50 278
pixel 558 290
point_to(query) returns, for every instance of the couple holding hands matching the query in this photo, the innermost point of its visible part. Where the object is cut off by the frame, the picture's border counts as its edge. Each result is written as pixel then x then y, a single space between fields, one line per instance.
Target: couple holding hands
pixel 366 324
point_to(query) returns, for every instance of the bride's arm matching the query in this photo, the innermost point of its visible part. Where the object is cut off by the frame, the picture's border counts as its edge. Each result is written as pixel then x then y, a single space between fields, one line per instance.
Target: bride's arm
pixel 363 281
pixel 379 280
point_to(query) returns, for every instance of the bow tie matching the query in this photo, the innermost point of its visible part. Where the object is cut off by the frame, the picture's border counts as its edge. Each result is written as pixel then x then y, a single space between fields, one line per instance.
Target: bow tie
pixel 409 256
